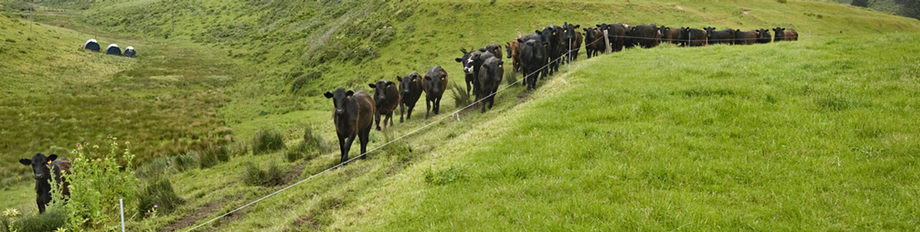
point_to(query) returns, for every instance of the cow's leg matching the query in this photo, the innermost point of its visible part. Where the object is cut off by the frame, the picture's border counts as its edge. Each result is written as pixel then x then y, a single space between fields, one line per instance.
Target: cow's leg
pixel 377 120
pixel 364 137
pixel 409 114
pixel 437 105
pixel 402 108
pixel 427 106
pixel 41 206
pixel 468 86
pixel 348 142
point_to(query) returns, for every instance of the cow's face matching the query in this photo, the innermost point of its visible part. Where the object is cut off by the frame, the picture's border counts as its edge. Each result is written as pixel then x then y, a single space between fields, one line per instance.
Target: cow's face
pixel 406 82
pixel 468 64
pixel 433 81
pixel 380 89
pixel 508 49
pixel 338 99
pixel 40 165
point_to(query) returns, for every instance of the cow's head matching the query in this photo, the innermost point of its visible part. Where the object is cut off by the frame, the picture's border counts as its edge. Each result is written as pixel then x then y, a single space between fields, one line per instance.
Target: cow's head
pixel 40 165
pixel 779 30
pixel 509 49
pixel 406 83
pixel 380 89
pixel 339 97
pixel 433 79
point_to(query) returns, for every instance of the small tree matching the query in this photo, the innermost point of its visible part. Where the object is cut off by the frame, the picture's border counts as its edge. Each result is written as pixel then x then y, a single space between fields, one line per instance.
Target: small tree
pixel 96 185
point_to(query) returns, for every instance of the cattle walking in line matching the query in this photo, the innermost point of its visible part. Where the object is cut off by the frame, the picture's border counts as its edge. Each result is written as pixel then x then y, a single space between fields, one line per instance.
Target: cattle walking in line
pixel 410 90
pixel 386 97
pixel 726 36
pixel 692 37
pixel 763 36
pixel 353 116
pixel 513 53
pixel 44 169
pixel 434 84
pixel 490 76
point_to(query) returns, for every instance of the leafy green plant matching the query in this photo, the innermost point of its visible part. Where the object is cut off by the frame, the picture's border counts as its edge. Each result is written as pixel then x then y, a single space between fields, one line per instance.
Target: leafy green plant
pixel 51 220
pixel 96 185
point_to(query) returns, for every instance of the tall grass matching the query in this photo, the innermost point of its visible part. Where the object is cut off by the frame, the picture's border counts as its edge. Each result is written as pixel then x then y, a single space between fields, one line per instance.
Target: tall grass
pixel 267 140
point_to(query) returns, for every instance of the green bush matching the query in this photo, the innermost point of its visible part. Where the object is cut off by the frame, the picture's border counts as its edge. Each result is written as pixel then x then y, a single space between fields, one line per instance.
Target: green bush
pixel 96 185
pixel 158 192
pixel 266 141
pixel 253 175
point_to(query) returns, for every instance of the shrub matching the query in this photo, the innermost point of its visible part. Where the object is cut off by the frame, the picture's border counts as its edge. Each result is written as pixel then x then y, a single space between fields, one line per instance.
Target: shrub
pixel 266 141
pixel 158 192
pixel 253 175
pixel 213 154
pixel 96 185
pixel 461 97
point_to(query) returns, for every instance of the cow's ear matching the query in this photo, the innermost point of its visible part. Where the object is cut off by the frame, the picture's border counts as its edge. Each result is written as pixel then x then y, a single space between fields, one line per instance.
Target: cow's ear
pixel 349 93
pixel 25 161
pixel 577 26
pixel 328 95
pixel 520 40
pixel 538 32
pixel 372 85
pixel 398 78
pixel 458 60
pixel 52 157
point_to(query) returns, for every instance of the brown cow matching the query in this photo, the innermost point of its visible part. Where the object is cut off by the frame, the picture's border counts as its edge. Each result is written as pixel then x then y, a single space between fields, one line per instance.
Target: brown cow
pixel 791 35
pixel 353 116
pixel 594 41
pixel 495 49
pixel 514 54
pixel 44 169
pixel 410 89
pixel 434 84
pixel 745 37
pixel 386 97
pixel 669 34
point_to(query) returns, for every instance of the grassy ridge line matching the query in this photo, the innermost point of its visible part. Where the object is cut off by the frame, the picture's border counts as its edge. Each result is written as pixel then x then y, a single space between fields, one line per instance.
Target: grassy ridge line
pixel 809 135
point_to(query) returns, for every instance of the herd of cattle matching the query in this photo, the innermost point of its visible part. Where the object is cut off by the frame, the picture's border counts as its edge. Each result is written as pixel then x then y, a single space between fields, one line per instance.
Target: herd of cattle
pixel 112 49
pixel 535 55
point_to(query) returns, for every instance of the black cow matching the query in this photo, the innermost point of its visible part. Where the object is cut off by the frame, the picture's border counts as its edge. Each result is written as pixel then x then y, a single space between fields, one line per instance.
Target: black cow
pixel 410 90
pixel 490 76
pixel 532 58
pixel 781 34
pixel 616 35
pixel 763 36
pixel 43 168
pixel 473 63
pixel 594 41
pixel 555 47
pixel 434 84
pixel 571 40
pixel 386 98
pixel 745 37
pixel 469 78
pixel 692 37
pixel 646 36
pixel 726 36
pixel 353 116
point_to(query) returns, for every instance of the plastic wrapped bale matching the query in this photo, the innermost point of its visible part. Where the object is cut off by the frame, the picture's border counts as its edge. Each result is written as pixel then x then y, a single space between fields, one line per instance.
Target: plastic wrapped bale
pixel 113 49
pixel 91 45
pixel 129 52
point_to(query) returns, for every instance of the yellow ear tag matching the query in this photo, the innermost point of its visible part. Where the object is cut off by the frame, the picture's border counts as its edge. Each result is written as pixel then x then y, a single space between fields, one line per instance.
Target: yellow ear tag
pixel 500 66
pixel 49 161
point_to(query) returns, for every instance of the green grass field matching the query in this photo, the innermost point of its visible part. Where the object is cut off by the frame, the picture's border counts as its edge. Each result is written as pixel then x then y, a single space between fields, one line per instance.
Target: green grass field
pixel 809 135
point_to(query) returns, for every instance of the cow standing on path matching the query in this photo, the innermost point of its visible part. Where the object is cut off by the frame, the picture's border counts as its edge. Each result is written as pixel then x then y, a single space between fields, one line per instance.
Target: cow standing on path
pixel 44 168
pixel 386 97
pixel 353 116
pixel 434 84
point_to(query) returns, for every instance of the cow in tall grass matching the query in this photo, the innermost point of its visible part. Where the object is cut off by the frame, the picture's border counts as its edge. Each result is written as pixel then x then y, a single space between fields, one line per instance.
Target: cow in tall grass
pixel 353 117
pixel 44 168
pixel 386 98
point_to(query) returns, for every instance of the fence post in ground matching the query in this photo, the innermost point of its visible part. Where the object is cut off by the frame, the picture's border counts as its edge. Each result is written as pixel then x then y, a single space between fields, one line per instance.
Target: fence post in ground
pixel 121 205
pixel 606 43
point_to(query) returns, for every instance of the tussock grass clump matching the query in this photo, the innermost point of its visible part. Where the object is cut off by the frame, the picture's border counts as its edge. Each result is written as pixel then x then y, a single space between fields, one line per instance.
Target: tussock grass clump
pixel 158 192
pixel 154 167
pixel 49 221
pixel 185 162
pixel 253 175
pixel 460 96
pixel 213 154
pixel 266 141
pixel 312 145
pixel 445 176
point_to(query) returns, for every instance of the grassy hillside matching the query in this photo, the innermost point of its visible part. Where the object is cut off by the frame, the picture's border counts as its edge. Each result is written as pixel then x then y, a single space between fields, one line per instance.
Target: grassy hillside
pixel 666 126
